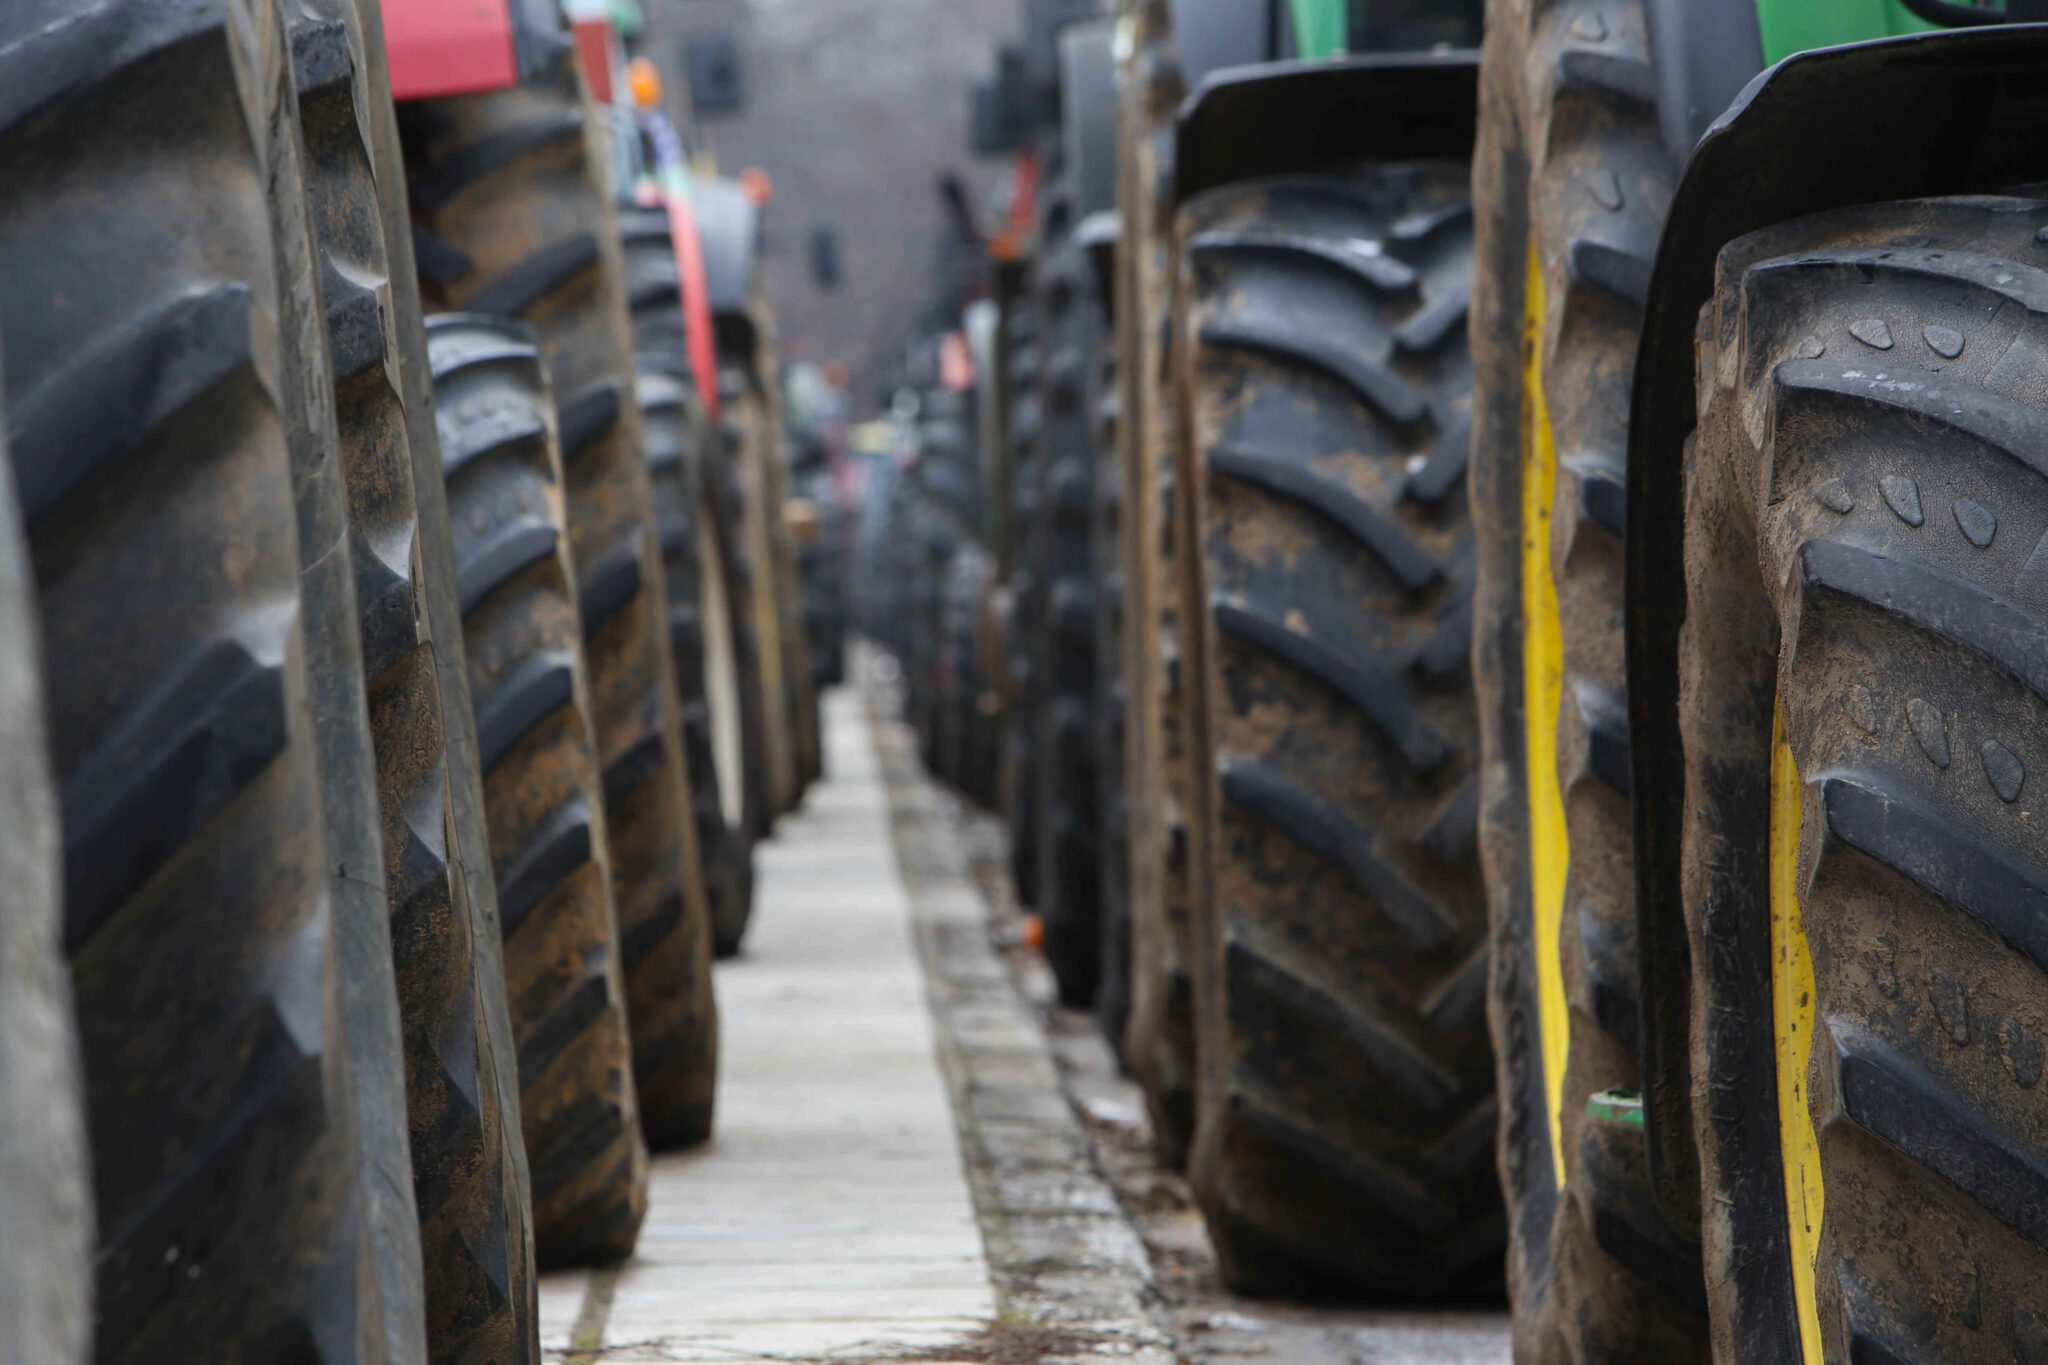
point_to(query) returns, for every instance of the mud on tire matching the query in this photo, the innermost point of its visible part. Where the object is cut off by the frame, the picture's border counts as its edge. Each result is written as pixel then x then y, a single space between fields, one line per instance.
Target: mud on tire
pixel 172 430
pixel 1346 1115
pixel 1572 184
pixel 693 514
pixel 45 1176
pixel 469 1172
pixel 1160 776
pixel 507 187
pixel 1864 502
pixel 543 789
pixel 695 534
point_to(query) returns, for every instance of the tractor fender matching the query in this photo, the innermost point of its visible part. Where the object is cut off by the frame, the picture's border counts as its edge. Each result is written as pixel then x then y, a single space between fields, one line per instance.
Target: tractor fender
pixel 1945 113
pixel 437 48
pixel 1281 117
pixel 1208 36
pixel 1088 116
pixel 729 230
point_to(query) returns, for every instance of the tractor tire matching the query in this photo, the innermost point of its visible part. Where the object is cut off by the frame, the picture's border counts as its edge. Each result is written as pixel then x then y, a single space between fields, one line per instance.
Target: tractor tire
pixel 1346 1115
pixel 692 512
pixel 1021 754
pixel 746 436
pixel 800 694
pixel 1160 609
pixel 171 420
pixel 726 487
pixel 1106 552
pixel 508 185
pixel 469 1178
pixel 1572 186
pixel 543 788
pixel 45 1167
pixel 1058 543
pixel 701 634
pixel 1861 707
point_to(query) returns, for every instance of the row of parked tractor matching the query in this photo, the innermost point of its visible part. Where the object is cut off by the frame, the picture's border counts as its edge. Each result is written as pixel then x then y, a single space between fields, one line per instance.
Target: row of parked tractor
pixel 1493 564
pixel 401 651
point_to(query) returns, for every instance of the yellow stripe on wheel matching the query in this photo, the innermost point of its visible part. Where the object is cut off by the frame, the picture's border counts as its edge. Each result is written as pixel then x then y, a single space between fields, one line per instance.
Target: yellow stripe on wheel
pixel 1792 1012
pixel 1542 690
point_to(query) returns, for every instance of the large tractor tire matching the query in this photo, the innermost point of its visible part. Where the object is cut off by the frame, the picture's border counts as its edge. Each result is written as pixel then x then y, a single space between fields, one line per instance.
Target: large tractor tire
pixel 45 1167
pixel 747 444
pixel 1159 1039
pixel 469 1174
pixel 692 511
pixel 799 690
pixel 1572 185
pixel 543 787
pixel 702 633
pixel 1021 755
pixel 1112 798
pixel 510 186
pixel 1346 1115
pixel 1058 544
pixel 172 427
pixel 1862 698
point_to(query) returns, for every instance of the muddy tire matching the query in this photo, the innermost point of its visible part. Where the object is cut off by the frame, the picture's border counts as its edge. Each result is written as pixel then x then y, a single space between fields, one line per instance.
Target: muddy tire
pixel 1112 800
pixel 1345 1137
pixel 543 788
pixel 1573 182
pixel 174 448
pixel 1059 546
pixel 1864 500
pixel 45 1169
pixel 693 513
pixel 701 634
pixel 508 185
pixel 746 438
pixel 1025 606
pixel 1160 774
pixel 469 1179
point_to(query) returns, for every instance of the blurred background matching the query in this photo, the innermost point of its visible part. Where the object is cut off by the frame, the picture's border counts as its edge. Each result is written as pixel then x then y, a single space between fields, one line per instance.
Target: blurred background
pixel 857 110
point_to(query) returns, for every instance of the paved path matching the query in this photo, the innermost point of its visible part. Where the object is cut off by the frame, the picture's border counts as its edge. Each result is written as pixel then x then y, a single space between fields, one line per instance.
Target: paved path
pixel 906 1164
pixel 831 1215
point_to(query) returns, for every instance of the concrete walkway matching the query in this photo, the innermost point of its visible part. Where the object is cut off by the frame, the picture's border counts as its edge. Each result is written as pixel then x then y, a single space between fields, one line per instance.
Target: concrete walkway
pixel 830 1217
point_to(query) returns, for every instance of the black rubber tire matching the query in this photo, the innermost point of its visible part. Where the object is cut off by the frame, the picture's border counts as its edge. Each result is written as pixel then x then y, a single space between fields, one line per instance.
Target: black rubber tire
pixel 654 290
pixel 1161 708
pixel 469 1181
pixel 45 1167
pixel 1864 502
pixel 702 622
pixel 746 436
pixel 174 446
pixel 1571 167
pixel 1346 1117
pixel 1059 546
pixel 543 788
pixel 513 182
pixel 1021 755
pixel 1112 803
pixel 800 692
pixel 692 514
